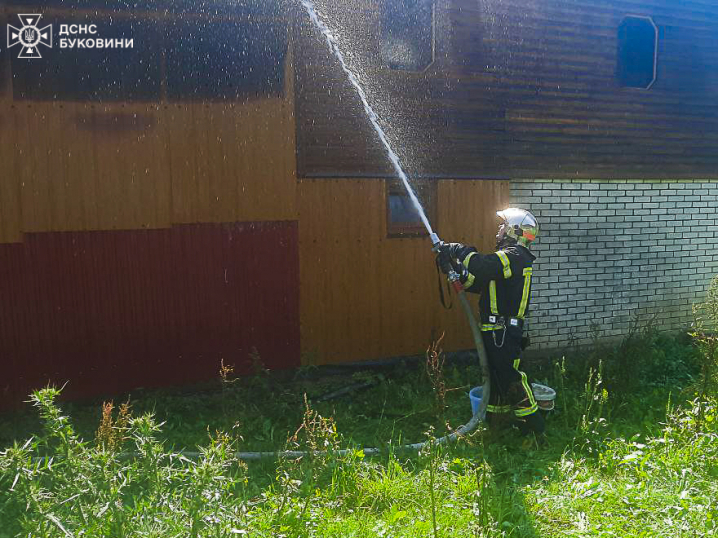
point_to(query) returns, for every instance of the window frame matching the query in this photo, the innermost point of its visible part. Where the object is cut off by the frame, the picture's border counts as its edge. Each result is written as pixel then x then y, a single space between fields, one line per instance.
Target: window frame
pixel 427 192
pixel 655 51
pixel 433 43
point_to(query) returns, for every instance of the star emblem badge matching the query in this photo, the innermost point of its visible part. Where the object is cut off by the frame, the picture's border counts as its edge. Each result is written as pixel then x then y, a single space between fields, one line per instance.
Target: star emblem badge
pixel 29 36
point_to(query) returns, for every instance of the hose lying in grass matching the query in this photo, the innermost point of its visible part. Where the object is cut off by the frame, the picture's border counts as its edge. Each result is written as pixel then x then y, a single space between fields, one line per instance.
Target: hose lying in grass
pixel 296 454
pixel 461 431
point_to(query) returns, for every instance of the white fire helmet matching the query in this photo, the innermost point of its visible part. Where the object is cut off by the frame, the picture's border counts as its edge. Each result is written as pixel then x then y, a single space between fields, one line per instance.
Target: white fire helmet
pixel 519 225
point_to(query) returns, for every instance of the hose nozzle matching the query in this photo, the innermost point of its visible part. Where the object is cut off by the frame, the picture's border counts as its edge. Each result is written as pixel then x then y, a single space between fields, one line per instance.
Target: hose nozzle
pixel 435 241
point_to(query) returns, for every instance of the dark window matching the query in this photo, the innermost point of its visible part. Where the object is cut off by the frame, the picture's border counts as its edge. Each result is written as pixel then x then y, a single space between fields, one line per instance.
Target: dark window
pixel 106 74
pixel 402 217
pixel 407 41
pixel 209 60
pixel 637 40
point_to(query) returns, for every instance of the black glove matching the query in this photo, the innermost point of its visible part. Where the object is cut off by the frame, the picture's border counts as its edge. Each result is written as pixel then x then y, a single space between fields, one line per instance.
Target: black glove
pixel 447 259
pixel 456 250
pixel 443 258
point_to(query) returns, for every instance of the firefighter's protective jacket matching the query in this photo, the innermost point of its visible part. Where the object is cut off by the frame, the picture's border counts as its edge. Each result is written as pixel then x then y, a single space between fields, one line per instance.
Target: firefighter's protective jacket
pixel 503 279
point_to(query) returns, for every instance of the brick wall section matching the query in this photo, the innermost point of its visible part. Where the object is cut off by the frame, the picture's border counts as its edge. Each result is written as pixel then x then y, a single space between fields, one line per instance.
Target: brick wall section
pixel 609 251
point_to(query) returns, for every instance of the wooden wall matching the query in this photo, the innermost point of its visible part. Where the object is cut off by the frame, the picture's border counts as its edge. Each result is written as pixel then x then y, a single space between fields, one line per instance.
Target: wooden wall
pixel 82 166
pixel 71 166
pixel 518 89
pixel 103 167
pixel 135 247
pixel 110 311
pixel 366 296
pixel 10 214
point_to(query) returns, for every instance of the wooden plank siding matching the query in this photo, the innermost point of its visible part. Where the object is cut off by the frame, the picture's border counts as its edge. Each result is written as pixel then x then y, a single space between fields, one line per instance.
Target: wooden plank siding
pixel 110 311
pixel 144 240
pixel 132 166
pixel 126 164
pixel 233 162
pixel 366 296
pixel 518 89
pixel 10 208
pixel 91 167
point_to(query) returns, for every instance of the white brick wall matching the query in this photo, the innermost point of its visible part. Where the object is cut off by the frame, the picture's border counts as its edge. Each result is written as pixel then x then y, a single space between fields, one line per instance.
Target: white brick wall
pixel 611 250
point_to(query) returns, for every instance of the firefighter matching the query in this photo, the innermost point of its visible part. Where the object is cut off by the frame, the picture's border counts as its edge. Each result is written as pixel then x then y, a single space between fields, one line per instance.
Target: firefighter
pixel 503 279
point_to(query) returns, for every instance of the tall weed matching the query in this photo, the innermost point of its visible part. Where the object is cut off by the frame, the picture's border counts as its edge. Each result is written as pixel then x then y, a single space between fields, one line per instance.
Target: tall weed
pixel 705 333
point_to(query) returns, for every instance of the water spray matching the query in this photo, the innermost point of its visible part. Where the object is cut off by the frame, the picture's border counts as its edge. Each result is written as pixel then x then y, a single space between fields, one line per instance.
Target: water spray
pixel 437 244
pixel 373 117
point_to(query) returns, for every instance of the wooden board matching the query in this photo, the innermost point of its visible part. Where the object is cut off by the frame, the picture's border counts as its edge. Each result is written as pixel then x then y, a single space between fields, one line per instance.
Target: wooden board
pixel 75 166
pixel 518 89
pixel 10 212
pixel 112 311
pixel 92 167
pixel 363 295
pixel 232 162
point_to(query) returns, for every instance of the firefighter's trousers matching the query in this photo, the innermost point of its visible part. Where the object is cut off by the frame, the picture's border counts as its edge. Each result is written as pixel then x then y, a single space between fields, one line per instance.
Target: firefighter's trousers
pixel 510 388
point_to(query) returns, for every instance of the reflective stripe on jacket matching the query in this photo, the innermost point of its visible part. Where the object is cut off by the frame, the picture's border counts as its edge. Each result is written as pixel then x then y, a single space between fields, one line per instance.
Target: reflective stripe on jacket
pixel 503 279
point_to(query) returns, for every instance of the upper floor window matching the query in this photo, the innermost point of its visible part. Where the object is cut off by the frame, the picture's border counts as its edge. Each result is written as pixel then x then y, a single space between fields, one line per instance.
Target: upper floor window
pixel 407 41
pixel 637 52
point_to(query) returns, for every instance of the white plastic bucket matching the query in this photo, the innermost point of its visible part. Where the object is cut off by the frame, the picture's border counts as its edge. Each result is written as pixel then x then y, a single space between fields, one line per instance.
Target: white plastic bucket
pixel 544 395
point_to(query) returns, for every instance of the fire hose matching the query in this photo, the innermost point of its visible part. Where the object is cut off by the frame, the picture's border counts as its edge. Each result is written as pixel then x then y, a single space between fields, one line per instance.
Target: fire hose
pixel 455 282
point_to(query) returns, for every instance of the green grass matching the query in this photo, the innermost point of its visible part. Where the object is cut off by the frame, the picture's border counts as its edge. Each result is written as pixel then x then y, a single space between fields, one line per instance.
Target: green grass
pixel 630 451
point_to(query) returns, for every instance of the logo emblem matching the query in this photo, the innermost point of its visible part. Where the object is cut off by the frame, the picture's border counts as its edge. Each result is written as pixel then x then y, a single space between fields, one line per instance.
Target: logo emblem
pixel 29 36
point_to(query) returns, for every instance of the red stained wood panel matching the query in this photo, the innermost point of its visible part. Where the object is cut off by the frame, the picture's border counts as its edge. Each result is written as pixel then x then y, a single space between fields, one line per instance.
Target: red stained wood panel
pixel 111 311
